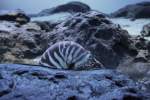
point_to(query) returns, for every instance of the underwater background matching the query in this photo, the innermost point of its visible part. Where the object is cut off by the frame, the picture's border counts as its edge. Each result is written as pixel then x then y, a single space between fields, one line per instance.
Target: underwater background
pixel 74 50
pixel 33 6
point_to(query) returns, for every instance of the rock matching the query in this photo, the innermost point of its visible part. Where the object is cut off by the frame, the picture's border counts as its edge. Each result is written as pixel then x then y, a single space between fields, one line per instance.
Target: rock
pixel 146 30
pixel 136 70
pixel 6 26
pixel 134 11
pixel 107 41
pixel 137 66
pixel 39 26
pixel 141 57
pixel 45 25
pixel 145 83
pixel 143 47
pixel 19 43
pixel 148 46
pixel 140 42
pixel 31 26
pixel 71 7
pixel 15 16
pixel 19 82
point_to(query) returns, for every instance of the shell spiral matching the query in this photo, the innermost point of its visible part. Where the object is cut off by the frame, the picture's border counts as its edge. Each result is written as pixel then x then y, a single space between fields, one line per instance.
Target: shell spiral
pixel 65 55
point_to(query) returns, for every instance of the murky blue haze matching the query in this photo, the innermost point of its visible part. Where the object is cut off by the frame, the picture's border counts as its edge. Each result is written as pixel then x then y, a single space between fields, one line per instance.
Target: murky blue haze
pixel 34 6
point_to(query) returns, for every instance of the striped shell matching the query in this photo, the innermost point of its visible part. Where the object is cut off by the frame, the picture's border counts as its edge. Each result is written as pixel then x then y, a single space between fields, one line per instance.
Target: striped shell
pixel 65 55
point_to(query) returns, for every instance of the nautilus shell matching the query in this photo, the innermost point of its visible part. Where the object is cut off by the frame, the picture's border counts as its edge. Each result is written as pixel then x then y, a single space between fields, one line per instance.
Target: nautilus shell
pixel 65 55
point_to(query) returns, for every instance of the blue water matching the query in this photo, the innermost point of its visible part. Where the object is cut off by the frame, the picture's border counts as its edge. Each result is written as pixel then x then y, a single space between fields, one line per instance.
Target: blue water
pixel 52 18
pixel 34 6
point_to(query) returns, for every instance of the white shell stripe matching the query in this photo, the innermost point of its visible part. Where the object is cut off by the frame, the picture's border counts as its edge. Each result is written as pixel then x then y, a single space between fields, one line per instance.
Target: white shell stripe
pixel 71 55
pixel 62 63
pixel 76 54
pixel 83 54
pixel 60 51
pixel 67 53
pixel 63 50
pixel 53 62
pixel 83 60
pixel 45 64
pixel 44 56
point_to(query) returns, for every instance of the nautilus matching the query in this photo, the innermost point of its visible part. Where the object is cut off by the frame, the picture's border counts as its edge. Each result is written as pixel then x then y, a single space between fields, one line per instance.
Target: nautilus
pixel 65 55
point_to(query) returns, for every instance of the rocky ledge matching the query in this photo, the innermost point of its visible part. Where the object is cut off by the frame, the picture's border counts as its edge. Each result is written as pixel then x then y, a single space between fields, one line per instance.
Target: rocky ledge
pixel 134 11
pixel 108 42
pixel 20 82
pixel 71 7
pixel 92 30
pixel 146 30
pixel 14 16
pixel 22 42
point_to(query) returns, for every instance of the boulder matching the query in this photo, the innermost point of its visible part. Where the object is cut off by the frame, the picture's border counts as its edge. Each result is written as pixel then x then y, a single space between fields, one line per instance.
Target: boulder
pixel 140 42
pixel 19 82
pixel 46 25
pixel 15 16
pixel 134 11
pixel 31 26
pixel 146 30
pixel 107 41
pixel 142 56
pixel 71 7
pixel 137 67
pixel 6 26
pixel 136 70
pixel 21 43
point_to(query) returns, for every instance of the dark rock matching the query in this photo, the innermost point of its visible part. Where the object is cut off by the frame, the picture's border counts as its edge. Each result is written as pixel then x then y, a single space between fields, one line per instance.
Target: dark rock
pixel 136 70
pixel 146 83
pixel 21 82
pixel 134 11
pixel 32 26
pixel 39 26
pixel 19 43
pixel 140 42
pixel 148 46
pixel 107 41
pixel 45 25
pixel 22 43
pixel 71 7
pixel 137 66
pixel 141 57
pixel 15 16
pixel 142 45
pixel 146 30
